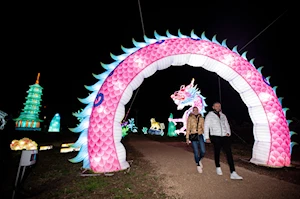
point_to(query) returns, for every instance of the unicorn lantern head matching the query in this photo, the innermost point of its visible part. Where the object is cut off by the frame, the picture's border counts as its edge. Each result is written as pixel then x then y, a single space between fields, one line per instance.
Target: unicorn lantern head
pixel 189 96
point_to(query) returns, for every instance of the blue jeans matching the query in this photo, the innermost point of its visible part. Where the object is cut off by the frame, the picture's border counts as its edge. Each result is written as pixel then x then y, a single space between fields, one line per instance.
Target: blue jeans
pixel 198 155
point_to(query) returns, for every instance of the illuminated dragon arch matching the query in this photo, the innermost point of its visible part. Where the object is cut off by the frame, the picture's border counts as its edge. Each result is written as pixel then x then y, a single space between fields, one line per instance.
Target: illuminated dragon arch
pixel 100 128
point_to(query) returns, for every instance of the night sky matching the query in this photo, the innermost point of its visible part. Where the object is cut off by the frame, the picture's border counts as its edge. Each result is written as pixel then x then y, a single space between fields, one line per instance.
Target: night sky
pixel 67 42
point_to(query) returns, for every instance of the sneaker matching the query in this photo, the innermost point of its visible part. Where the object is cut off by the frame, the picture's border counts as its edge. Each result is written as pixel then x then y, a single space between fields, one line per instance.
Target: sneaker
pixel 199 169
pixel 219 171
pixel 201 165
pixel 235 176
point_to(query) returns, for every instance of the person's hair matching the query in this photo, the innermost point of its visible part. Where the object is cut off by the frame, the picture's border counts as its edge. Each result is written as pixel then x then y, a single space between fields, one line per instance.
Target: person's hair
pixel 216 103
pixel 195 107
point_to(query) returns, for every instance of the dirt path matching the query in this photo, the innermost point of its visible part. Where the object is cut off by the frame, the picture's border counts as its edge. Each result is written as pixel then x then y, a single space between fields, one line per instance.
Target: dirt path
pixel 183 181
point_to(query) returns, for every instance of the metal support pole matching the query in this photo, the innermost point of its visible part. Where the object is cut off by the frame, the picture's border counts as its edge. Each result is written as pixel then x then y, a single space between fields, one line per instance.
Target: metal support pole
pixel 142 21
pixel 220 92
pixel 18 180
pixel 144 33
pixel 219 81
pixel 263 30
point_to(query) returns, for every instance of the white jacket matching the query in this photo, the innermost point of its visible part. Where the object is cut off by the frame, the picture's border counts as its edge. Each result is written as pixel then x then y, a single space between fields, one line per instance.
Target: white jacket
pixel 216 126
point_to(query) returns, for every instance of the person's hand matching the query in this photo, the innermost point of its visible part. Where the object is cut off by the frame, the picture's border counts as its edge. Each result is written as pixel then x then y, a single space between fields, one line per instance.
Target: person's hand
pixel 227 134
pixel 187 141
pixel 208 140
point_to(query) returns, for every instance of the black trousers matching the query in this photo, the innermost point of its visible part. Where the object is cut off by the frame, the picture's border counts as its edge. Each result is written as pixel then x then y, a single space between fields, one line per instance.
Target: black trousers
pixel 222 143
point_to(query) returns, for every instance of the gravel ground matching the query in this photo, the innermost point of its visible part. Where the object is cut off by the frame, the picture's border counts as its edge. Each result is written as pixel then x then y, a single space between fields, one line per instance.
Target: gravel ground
pixel 176 165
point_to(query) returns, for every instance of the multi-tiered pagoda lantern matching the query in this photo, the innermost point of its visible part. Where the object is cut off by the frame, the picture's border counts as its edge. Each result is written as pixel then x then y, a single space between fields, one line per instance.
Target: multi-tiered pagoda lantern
pixel 29 117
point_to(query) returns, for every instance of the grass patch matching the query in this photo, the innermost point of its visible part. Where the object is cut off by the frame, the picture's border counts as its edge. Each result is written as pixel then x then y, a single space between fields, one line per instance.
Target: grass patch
pixel 53 176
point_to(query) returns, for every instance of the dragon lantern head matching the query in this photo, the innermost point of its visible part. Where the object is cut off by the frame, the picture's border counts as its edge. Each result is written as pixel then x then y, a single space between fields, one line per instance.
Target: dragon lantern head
pixel 188 96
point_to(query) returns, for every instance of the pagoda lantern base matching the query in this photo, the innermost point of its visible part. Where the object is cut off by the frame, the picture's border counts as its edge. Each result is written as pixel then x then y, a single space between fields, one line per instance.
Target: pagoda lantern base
pixel 27 129
pixel 28 125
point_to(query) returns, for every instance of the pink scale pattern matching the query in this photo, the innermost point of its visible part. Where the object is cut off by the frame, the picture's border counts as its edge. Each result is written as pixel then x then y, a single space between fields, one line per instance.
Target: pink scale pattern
pixel 101 147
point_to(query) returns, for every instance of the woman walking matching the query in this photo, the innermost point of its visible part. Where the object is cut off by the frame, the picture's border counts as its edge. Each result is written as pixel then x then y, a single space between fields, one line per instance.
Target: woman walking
pixel 194 134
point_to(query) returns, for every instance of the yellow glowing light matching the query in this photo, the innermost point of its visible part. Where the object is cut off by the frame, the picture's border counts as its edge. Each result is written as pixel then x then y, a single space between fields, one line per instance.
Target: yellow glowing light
pixel 43 148
pixel 66 144
pixel 68 150
pixel 24 143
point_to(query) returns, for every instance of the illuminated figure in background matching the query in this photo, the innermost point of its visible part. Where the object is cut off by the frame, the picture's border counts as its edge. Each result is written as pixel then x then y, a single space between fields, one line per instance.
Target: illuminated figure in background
pixel 124 128
pixel 101 149
pixel 131 126
pixel 2 119
pixel 128 126
pixel 187 96
pixel 171 128
pixel 156 128
pixel 29 117
pixel 124 131
pixel 145 130
pixel 55 124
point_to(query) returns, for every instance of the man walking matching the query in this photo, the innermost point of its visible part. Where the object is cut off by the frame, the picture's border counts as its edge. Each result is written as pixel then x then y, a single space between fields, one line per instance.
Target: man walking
pixel 217 131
